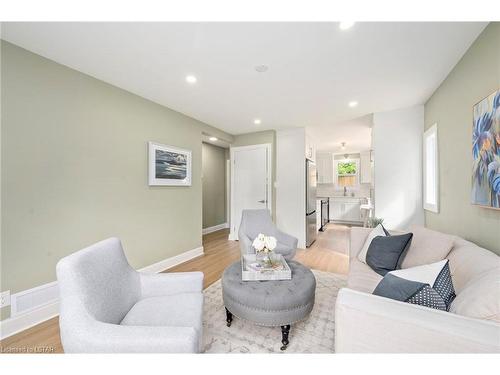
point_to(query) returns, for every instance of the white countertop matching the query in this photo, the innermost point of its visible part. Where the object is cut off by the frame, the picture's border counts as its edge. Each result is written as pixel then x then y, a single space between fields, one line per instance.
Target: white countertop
pixel 346 197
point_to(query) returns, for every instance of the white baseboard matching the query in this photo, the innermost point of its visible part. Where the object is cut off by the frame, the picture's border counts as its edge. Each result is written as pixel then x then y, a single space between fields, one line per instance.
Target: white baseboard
pixel 46 311
pixel 16 324
pixel 165 264
pixel 215 228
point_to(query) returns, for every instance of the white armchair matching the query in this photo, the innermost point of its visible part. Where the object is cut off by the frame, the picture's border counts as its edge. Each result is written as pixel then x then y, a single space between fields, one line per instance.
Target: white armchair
pixel 254 222
pixel 107 306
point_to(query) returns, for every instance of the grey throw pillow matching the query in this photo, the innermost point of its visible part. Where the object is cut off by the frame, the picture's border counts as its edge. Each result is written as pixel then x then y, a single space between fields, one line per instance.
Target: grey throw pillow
pixel 429 286
pixel 386 253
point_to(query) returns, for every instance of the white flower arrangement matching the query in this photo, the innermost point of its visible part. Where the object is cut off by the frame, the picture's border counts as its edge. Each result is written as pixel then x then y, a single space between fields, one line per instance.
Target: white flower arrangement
pixel 265 244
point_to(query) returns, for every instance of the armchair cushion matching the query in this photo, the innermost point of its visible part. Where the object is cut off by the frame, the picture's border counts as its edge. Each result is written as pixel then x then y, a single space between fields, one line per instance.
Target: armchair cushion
pixel 97 337
pixel 175 310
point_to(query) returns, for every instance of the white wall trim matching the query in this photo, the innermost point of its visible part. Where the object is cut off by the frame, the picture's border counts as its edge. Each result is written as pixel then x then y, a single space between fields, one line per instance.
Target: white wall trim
pixel 19 323
pixel 46 311
pixel 173 261
pixel 34 298
pixel 215 228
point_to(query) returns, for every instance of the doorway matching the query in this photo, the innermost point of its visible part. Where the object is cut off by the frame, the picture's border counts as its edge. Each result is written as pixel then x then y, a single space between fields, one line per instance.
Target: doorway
pixel 214 189
pixel 250 182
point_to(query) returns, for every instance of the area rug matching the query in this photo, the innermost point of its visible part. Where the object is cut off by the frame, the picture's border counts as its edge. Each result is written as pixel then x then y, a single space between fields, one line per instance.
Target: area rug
pixel 314 335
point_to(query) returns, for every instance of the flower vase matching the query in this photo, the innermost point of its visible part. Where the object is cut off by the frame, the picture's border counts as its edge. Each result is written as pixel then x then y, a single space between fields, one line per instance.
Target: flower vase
pixel 262 257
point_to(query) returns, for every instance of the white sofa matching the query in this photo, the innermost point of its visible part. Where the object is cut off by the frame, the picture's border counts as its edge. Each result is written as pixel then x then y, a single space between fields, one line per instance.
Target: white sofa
pixel 365 323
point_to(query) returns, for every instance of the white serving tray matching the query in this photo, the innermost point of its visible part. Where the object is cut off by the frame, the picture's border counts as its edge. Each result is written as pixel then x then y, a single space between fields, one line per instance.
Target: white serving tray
pixel 251 275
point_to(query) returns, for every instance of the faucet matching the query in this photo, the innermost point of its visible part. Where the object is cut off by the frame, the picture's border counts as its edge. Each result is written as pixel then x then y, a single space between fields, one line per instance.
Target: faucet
pixel 345 191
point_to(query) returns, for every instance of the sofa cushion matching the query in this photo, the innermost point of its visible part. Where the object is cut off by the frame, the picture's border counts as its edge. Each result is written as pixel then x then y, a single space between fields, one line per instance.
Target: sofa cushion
pixel 480 297
pixel 429 285
pixel 175 310
pixel 385 253
pixel 467 261
pixel 361 277
pixel 427 246
pixel 375 232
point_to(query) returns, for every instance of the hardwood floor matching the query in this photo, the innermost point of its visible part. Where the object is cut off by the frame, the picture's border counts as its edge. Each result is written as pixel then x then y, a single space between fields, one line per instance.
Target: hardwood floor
pixel 328 253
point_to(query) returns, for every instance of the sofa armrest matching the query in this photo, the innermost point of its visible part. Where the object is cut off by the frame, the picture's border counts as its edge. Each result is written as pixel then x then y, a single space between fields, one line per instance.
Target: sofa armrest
pixel 161 284
pixel 365 323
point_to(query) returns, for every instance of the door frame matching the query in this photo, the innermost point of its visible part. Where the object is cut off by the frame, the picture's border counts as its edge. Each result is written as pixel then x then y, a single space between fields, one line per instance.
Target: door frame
pixel 269 192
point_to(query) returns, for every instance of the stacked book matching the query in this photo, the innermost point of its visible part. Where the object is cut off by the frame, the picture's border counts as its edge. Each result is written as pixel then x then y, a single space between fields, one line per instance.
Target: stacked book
pixel 259 266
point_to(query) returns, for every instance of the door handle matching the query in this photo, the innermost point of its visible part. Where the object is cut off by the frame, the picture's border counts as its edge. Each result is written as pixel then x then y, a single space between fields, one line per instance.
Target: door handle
pixel 262 201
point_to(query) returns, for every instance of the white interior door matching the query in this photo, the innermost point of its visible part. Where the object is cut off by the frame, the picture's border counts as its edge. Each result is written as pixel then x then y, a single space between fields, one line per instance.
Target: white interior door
pixel 251 181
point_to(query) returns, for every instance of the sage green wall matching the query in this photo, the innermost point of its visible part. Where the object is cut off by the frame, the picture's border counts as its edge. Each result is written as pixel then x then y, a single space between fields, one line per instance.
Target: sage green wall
pixel 266 136
pixel 74 171
pixel 214 185
pixel 476 76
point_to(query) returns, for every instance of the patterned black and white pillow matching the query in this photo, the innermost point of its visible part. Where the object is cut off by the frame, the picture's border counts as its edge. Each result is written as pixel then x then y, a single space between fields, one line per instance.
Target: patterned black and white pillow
pixel 429 285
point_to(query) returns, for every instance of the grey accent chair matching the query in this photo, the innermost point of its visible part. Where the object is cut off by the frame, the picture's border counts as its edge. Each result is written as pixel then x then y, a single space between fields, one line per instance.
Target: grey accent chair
pixel 254 222
pixel 107 306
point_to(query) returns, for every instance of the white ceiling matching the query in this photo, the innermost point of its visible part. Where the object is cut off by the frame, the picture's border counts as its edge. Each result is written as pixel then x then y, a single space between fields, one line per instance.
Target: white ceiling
pixel 356 133
pixel 315 69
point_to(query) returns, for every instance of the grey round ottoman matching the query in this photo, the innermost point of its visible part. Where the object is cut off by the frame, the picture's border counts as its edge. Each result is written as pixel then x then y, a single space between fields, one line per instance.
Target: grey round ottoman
pixel 269 303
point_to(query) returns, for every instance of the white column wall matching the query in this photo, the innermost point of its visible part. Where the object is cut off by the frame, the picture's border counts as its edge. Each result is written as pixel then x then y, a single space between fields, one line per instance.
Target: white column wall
pixel 291 183
pixel 397 145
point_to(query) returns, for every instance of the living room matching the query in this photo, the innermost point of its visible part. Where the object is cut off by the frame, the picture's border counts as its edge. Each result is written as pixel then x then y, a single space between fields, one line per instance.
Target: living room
pixel 164 187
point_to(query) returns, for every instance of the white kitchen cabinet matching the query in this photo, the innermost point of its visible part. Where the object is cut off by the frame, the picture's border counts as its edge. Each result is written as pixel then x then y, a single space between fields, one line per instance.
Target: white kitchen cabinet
pixel 365 167
pixel 351 211
pixel 335 210
pixel 345 209
pixel 324 165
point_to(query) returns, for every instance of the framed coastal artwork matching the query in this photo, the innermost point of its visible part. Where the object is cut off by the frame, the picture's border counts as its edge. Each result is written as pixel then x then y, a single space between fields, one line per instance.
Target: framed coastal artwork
pixel 486 152
pixel 169 165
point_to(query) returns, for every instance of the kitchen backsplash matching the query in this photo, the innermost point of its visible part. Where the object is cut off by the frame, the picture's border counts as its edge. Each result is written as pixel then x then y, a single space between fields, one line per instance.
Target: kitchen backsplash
pixel 332 190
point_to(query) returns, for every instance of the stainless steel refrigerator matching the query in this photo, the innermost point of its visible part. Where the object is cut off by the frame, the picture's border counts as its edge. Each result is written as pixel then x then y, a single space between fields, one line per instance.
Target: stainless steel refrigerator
pixel 311 177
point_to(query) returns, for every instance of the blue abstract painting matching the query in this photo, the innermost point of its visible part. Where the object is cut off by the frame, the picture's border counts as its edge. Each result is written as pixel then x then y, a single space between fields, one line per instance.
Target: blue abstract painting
pixel 486 152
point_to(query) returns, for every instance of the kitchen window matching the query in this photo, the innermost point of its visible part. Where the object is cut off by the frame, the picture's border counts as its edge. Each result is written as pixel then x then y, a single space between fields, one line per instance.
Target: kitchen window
pixel 347 172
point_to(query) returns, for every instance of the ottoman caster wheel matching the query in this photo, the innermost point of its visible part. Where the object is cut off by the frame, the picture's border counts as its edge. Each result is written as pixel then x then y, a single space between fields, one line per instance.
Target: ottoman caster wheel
pixel 229 318
pixel 285 330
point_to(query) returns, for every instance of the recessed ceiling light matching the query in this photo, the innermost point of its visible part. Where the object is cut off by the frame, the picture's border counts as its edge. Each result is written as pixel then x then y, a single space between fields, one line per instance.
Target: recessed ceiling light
pixel 261 68
pixel 213 139
pixel 191 79
pixel 353 104
pixel 257 121
pixel 346 25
